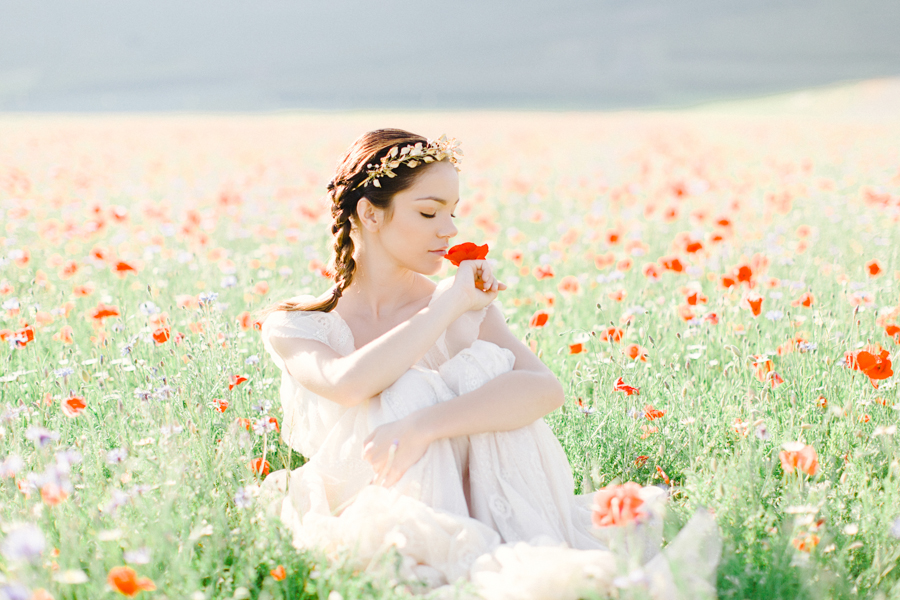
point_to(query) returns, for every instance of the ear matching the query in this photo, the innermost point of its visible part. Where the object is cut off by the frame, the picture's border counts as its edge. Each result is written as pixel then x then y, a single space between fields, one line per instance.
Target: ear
pixel 370 216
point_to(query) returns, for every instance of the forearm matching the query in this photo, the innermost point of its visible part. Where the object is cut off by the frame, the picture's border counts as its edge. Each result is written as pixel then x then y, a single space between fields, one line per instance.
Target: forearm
pixel 372 368
pixel 509 401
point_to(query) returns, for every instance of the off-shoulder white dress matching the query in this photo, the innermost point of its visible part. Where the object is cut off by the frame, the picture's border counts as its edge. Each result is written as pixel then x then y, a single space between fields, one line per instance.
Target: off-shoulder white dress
pixel 497 509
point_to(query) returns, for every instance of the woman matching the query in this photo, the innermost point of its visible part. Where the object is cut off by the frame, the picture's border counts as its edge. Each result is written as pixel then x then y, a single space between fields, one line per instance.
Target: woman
pixel 419 409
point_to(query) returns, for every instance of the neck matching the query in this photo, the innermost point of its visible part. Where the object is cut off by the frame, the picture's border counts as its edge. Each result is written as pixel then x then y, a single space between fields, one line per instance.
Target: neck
pixel 379 286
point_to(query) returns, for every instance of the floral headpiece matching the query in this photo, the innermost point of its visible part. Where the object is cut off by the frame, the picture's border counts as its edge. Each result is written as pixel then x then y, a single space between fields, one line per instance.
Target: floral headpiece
pixel 413 155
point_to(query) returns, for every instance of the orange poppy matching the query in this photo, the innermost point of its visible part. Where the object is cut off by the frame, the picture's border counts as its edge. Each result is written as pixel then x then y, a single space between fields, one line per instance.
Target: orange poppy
pixel 604 261
pixel 640 461
pixel 466 251
pixel 73 406
pixel 685 312
pixel 52 494
pixel 662 474
pixel 220 405
pixel 807 543
pixel 893 331
pixel 618 295
pixel 873 268
pixel 260 466
pixel 755 304
pixel 102 311
pixel 799 456
pixel 611 334
pixel 576 348
pixel 635 352
pixel 539 318
pixel 278 573
pixel 805 300
pixel 235 380
pixel 64 335
pixel 161 335
pixel 125 581
pixel 122 268
pixel 651 413
pixel 617 505
pixel 695 298
pixel 569 285
pixel 672 263
pixel 619 386
pixel 543 272
pixel 245 423
pixel 624 265
pixel 651 271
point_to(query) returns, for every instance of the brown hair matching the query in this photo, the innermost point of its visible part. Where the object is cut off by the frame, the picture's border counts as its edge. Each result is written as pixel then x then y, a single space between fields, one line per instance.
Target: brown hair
pixel 368 149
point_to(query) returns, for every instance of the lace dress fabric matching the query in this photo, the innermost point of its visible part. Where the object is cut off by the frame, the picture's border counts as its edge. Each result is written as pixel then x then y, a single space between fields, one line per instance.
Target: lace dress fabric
pixel 497 509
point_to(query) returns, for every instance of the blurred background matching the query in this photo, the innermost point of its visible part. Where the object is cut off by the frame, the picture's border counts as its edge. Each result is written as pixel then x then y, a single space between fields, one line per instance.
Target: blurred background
pixel 225 55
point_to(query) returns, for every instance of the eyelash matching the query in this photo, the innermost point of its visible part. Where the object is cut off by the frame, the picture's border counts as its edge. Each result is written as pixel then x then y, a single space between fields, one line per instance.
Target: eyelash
pixel 432 216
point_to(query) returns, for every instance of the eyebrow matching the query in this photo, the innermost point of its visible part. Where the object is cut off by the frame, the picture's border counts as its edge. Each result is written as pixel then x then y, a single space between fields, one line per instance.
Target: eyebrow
pixel 442 201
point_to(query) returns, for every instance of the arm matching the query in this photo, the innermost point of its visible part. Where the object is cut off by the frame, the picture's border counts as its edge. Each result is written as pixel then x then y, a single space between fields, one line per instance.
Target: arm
pixel 353 379
pixel 509 401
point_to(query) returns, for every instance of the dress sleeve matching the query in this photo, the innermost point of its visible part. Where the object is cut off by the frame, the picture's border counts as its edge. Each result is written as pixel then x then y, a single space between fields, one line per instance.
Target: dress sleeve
pixel 291 324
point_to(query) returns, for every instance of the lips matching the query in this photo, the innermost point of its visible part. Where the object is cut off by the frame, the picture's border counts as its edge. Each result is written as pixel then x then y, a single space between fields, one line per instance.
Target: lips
pixel 441 250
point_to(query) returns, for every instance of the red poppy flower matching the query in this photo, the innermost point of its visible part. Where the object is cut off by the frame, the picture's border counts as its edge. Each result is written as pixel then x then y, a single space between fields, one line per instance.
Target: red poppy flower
pixel 640 461
pixel 539 318
pixel 543 272
pixel 278 573
pixel 236 380
pixel 245 423
pixel 612 334
pixel 220 405
pixel 636 352
pixel 161 335
pixel 805 300
pixel 576 348
pixel 617 505
pixel 569 285
pixel 662 474
pixel 125 581
pixel 672 263
pixel 121 268
pixel 755 304
pixel 618 295
pixel 101 311
pixel 73 406
pixel 651 413
pixel 799 456
pixel 893 331
pixel 651 271
pixel 873 268
pixel 260 466
pixel 619 386
pixel 466 251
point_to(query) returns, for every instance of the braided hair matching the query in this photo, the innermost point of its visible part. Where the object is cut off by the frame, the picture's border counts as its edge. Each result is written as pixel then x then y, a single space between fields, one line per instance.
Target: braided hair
pixel 367 150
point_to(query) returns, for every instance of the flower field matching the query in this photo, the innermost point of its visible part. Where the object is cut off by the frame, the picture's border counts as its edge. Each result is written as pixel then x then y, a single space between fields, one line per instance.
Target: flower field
pixel 718 292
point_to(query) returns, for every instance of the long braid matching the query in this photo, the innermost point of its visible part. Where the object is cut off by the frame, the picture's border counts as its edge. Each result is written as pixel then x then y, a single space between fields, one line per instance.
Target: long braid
pixel 344 263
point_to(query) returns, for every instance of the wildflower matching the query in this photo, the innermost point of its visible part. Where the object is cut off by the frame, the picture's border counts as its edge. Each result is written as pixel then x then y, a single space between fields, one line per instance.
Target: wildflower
pixel 648 430
pixel 873 268
pixel 278 573
pixel 63 372
pixel 569 285
pixel 116 456
pixel 242 499
pixel 612 334
pixel 807 543
pixel 25 541
pixel 618 295
pixel 245 423
pixel 122 268
pixel 653 413
pixel 576 348
pixel 740 427
pixel 762 432
pixel 893 331
pixel 619 386
pixel 218 404
pixel 466 251
pixel 805 300
pixel 672 263
pixel 260 466
pixel 618 505
pixel 755 304
pixel 40 436
pixel 640 461
pixel 799 456
pixel 11 465
pixel 161 335
pixel 235 380
pixel 73 406
pixel 663 475
pixel 125 581
pixel 539 318
pixel 52 494
pixel 102 311
pixel 265 425
pixel 543 272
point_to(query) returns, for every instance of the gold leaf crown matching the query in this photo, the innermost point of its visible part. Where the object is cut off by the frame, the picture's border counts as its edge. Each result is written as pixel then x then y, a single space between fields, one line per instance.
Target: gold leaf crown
pixel 413 155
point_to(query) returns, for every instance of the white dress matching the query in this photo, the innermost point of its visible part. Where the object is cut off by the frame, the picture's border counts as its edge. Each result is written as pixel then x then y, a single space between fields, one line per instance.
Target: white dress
pixel 496 509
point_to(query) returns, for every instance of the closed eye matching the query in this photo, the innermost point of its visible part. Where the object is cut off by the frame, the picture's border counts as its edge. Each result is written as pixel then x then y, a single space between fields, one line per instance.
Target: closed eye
pixel 432 216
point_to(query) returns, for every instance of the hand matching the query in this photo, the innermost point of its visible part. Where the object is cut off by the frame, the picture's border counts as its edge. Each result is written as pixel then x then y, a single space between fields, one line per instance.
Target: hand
pixel 389 460
pixel 468 274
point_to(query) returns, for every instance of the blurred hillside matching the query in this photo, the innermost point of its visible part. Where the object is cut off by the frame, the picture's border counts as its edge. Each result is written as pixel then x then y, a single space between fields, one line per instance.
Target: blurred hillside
pixel 226 55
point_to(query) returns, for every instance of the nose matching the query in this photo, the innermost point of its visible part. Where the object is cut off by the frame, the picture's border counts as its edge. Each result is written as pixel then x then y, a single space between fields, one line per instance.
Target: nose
pixel 449 231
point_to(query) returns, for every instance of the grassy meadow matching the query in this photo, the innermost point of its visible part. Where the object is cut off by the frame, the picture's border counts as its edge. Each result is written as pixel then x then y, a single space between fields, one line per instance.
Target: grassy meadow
pixel 724 263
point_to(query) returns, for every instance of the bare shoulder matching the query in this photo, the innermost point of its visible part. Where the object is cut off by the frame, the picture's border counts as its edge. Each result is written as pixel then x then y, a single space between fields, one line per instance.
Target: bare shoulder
pixel 495 330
